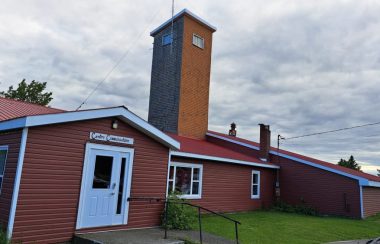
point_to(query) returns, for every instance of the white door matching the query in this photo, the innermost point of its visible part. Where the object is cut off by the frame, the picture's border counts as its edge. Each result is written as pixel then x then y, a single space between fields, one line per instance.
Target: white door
pixel 105 189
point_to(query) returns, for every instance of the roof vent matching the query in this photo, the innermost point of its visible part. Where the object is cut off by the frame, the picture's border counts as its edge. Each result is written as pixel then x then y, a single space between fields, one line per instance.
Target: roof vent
pixel 232 131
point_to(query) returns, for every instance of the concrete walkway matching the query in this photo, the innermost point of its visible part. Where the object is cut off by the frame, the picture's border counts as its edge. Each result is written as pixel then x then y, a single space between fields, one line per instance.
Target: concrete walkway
pixel 148 236
pixel 357 242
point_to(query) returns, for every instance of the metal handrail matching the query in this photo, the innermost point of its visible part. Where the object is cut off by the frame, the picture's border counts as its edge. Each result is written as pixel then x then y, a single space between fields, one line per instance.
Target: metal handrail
pixel 168 202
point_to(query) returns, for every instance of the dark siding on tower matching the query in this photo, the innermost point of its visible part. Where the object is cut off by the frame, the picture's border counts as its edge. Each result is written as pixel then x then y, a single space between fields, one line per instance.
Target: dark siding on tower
pixel 165 79
pixel 12 140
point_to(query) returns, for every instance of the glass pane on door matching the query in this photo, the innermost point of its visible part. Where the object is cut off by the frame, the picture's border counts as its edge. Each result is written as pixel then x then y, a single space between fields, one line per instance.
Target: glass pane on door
pixel 102 172
pixel 121 186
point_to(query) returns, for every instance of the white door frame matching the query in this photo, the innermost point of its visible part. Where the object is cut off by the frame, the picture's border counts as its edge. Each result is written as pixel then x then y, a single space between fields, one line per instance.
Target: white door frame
pixel 86 165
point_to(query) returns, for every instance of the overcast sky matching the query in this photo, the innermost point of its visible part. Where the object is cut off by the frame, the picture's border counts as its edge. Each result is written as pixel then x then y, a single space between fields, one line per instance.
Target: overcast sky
pixel 300 66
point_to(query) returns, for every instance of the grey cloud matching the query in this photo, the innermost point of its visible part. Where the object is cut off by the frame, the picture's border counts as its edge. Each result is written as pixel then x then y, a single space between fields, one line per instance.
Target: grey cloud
pixel 301 66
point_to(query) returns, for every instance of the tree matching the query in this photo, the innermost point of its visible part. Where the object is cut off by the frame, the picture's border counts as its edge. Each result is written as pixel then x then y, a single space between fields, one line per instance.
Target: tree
pixel 33 93
pixel 378 172
pixel 350 163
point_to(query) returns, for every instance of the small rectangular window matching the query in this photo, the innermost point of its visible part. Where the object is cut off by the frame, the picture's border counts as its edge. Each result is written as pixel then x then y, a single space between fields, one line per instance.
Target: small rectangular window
pixel 186 179
pixel 198 41
pixel 102 172
pixel 167 39
pixel 255 185
pixel 3 159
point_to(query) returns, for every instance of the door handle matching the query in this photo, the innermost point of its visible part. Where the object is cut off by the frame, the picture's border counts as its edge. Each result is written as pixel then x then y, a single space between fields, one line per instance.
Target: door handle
pixel 113 186
pixel 112 193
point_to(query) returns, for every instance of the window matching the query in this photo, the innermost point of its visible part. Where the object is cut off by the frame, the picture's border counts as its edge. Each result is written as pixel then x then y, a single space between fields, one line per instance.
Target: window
pixel 198 41
pixel 255 191
pixel 167 39
pixel 186 179
pixel 102 172
pixel 3 158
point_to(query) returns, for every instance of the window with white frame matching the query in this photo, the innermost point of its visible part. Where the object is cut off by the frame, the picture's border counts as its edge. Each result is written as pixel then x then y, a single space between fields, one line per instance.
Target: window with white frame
pixel 255 184
pixel 198 41
pixel 185 179
pixel 167 39
pixel 3 158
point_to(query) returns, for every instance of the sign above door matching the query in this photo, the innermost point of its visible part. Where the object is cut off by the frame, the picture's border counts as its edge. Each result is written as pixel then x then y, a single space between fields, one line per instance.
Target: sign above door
pixel 111 138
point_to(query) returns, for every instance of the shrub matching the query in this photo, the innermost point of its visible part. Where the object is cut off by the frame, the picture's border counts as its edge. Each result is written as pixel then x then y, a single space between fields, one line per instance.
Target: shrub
pixel 299 209
pixel 180 216
pixel 3 237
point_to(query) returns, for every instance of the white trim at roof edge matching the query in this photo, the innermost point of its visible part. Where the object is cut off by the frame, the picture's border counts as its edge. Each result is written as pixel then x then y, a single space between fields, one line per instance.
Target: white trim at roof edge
pixel 362 181
pixel 16 187
pixel 183 11
pixel 374 183
pixel 220 159
pixel 121 112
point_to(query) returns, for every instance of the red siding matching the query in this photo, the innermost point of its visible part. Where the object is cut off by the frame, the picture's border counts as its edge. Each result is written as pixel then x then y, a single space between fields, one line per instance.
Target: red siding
pixel 52 174
pixel 371 201
pixel 227 187
pixel 318 188
pixel 12 140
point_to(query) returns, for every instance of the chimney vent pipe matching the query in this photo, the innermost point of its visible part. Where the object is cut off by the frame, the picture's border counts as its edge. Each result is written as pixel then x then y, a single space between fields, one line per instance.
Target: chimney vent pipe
pixel 264 142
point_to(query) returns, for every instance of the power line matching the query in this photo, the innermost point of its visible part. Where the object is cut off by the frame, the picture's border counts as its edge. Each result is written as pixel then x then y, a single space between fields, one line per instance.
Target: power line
pixel 118 61
pixel 332 131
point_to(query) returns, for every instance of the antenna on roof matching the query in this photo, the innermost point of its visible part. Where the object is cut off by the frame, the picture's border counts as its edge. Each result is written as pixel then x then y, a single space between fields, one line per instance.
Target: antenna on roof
pixel 171 35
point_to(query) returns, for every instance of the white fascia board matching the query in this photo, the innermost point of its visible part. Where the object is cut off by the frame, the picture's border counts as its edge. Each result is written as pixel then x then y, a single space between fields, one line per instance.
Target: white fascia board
pixel 184 11
pixel 374 183
pixel 13 124
pixel 17 181
pixel 220 159
pixel 121 112
pixel 362 181
pixel 233 141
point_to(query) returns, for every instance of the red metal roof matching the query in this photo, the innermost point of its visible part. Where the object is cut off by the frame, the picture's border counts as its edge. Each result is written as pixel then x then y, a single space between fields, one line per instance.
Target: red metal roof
pixel 312 160
pixel 11 109
pixel 204 147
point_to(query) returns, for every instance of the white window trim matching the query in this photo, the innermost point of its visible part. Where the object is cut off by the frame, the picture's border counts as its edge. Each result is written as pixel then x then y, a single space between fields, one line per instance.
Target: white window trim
pixel 203 41
pixel 192 166
pixel 3 148
pixel 258 184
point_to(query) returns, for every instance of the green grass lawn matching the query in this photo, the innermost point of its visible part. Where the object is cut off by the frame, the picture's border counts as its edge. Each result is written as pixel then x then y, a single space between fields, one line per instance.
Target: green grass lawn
pixel 278 227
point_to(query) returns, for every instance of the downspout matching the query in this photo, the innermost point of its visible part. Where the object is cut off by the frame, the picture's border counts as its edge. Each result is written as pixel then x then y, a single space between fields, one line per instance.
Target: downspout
pixel 16 187
pixel 361 201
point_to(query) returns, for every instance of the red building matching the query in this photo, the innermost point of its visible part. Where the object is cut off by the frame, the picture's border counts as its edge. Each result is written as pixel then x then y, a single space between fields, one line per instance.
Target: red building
pixel 67 172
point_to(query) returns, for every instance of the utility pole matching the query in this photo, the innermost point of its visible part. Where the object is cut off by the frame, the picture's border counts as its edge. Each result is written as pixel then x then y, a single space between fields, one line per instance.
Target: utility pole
pixel 171 35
